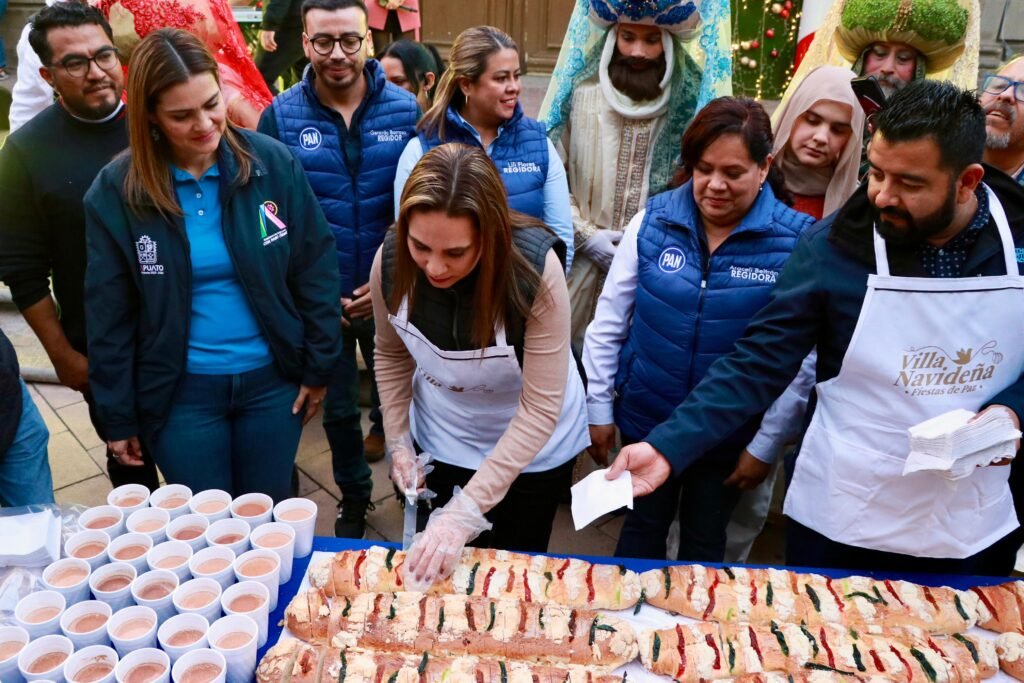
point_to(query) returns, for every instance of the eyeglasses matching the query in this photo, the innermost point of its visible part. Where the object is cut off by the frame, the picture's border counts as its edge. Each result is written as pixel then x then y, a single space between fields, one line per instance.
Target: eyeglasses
pixel 77 67
pixel 995 85
pixel 323 44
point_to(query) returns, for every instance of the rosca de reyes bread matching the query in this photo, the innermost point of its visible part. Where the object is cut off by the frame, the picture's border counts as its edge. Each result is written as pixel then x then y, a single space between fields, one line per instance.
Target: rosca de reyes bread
pixel 293 661
pixel 1001 608
pixel 709 651
pixel 1010 649
pixel 488 573
pixel 760 596
pixel 456 625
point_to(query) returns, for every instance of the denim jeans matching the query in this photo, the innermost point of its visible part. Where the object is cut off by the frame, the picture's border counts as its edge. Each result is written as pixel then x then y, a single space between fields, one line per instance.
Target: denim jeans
pixel 341 413
pixel 25 468
pixel 231 432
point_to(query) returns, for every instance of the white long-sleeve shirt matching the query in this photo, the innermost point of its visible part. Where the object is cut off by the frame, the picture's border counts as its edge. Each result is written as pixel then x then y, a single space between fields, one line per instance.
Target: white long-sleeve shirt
pixel 607 333
pixel 31 93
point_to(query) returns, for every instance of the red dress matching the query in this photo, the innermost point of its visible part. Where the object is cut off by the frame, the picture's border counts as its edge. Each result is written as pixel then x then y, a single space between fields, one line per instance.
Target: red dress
pixel 810 204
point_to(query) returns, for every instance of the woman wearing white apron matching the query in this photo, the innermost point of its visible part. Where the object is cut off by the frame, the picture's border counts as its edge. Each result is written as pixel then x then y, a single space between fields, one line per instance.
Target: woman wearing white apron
pixel 473 361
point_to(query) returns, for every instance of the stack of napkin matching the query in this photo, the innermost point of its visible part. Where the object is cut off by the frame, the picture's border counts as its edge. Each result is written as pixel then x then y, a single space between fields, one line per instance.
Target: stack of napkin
pixel 29 540
pixel 949 445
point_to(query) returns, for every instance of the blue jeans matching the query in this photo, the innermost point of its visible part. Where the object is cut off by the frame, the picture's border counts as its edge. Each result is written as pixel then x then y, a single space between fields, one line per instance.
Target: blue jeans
pixel 342 417
pixel 25 468
pixel 231 432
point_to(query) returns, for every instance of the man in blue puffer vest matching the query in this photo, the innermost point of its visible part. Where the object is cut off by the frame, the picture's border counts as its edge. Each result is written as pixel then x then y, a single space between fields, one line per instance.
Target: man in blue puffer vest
pixel 347 126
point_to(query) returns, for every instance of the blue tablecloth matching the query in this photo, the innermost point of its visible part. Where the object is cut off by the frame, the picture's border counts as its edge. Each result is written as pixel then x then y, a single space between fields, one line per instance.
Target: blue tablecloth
pixel 334 545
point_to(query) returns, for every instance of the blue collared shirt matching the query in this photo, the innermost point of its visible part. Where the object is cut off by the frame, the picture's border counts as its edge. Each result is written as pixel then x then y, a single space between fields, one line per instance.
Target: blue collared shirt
pixel 949 259
pixel 224 335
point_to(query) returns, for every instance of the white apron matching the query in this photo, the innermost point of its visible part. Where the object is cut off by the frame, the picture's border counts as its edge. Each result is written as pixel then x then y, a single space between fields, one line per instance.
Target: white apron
pixel 921 347
pixel 463 401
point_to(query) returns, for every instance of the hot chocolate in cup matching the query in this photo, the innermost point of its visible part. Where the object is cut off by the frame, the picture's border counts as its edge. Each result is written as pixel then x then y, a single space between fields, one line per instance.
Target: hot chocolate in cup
pixel 155 590
pixel 254 508
pixel 172 497
pixel 263 566
pixel 252 599
pixel 230 533
pixel 131 548
pixel 39 613
pixel 150 521
pixel 111 584
pixel 200 666
pixel 299 514
pixel 13 640
pixel 108 518
pixel 199 596
pixel 145 665
pixel 132 628
pixel 69 577
pixel 89 545
pixel 235 637
pixel 215 562
pixel 182 633
pixel 91 664
pixel 85 623
pixel 44 658
pixel 280 538
pixel 191 529
pixel 172 556
pixel 213 504
pixel 129 497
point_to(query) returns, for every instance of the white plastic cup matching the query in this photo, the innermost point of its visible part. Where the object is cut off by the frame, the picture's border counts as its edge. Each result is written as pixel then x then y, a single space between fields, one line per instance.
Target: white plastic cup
pixel 230 533
pixel 278 538
pixel 235 637
pixel 129 497
pixel 213 504
pixel 203 657
pixel 33 657
pixel 216 562
pixel 13 640
pixel 175 635
pixel 254 508
pixel 191 529
pixel 263 566
pixel 39 613
pixel 172 556
pixel 299 514
pixel 150 521
pixel 80 662
pixel 199 596
pixel 112 584
pixel 131 548
pixel 108 518
pixel 251 599
pixel 85 624
pixel 89 545
pixel 155 590
pixel 148 658
pixel 70 578
pixel 132 628
pixel 172 497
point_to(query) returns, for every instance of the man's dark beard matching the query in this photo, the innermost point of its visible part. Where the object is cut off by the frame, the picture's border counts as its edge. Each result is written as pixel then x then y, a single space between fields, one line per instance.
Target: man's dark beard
pixel 637 78
pixel 917 230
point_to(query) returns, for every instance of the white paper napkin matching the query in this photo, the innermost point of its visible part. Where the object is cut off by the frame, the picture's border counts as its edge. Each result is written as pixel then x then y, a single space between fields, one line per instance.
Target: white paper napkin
pixel 594 496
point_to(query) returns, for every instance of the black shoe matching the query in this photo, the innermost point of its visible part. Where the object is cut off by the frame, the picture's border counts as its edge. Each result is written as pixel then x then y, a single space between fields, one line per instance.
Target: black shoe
pixel 351 521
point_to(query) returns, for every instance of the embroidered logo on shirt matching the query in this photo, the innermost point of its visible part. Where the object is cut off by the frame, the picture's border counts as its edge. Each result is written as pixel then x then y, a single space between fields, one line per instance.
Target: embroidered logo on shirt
pixel 933 371
pixel 389 135
pixel 672 260
pixel 310 138
pixel 755 274
pixel 1020 255
pixel 272 228
pixel 521 167
pixel 146 250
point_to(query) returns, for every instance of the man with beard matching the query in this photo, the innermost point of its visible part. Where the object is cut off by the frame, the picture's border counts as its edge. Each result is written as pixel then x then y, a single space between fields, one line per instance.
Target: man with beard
pixel 629 79
pixel 46 166
pixel 912 294
pixel 1002 96
pixel 347 126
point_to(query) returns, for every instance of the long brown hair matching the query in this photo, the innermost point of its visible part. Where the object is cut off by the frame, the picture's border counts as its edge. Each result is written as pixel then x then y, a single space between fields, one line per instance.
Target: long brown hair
pixel 163 59
pixel 462 181
pixel 467 59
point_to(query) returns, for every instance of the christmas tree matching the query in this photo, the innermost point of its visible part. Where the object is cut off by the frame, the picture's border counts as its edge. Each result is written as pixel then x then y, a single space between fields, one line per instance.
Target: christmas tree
pixel 764 39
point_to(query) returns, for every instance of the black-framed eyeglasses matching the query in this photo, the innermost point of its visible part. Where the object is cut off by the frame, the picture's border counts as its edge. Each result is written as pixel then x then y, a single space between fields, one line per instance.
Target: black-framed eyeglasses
pixel 995 85
pixel 77 67
pixel 323 44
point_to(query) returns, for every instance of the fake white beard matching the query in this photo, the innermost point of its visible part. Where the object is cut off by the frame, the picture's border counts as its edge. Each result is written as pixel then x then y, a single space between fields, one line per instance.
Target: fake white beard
pixel 620 103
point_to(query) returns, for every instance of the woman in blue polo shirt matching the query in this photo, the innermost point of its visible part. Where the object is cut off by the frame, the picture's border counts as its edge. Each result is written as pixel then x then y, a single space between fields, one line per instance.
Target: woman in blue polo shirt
pixel 477 104
pixel 211 286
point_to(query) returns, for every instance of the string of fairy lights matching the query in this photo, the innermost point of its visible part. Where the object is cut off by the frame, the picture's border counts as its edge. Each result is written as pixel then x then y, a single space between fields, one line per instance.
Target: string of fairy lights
pixel 762 51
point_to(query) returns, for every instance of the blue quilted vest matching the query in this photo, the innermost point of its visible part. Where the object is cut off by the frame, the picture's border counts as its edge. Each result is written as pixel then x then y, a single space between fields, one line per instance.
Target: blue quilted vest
pixel 690 309
pixel 520 152
pixel 357 201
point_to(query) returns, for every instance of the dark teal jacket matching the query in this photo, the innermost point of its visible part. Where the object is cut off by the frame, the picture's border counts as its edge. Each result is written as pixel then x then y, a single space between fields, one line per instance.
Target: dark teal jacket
pixel 138 284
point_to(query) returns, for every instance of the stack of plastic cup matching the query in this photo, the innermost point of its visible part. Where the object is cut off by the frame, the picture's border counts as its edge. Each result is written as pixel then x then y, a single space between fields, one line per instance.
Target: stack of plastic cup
pixel 263 566
pixel 70 578
pixel 182 633
pixel 280 538
pixel 85 624
pixel 12 640
pixel 89 545
pixel 172 497
pixel 108 518
pixel 155 590
pixel 129 497
pixel 230 533
pixel 213 504
pixel 112 584
pixel 132 628
pixel 172 556
pixel 144 664
pixel 43 658
pixel 39 613
pixel 190 529
pixel 150 521
pixel 202 664
pixel 299 514
pixel 235 637
pixel 131 548
pixel 91 664
pixel 251 599
pixel 199 596
pixel 214 563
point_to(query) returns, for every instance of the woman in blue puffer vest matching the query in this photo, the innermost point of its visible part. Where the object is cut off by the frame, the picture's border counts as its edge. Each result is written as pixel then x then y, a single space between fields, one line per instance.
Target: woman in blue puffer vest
pixel 692 269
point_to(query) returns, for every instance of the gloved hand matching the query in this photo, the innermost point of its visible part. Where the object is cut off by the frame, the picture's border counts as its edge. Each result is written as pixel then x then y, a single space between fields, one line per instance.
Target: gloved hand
pixel 408 470
pixel 436 551
pixel 600 248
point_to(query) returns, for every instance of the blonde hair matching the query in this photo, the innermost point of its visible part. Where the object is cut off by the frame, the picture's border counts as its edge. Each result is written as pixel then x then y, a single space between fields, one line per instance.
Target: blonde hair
pixel 467 59
pixel 462 181
pixel 163 59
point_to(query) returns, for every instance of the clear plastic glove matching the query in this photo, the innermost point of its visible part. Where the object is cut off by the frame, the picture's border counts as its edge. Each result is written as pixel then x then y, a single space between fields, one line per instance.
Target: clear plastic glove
pixel 600 248
pixel 408 470
pixel 436 551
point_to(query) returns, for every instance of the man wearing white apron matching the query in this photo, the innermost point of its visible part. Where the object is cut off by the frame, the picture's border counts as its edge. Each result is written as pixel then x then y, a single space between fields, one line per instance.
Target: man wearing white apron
pixel 912 294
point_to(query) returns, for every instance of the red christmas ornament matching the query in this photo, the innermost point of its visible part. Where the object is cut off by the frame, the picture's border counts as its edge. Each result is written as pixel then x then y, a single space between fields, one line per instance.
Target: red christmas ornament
pixel 754 44
pixel 784 13
pixel 774 52
pixel 788 4
pixel 769 33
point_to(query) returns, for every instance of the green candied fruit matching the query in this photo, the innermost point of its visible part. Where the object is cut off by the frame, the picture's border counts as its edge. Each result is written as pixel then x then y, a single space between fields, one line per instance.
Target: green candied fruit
pixel 869 14
pixel 942 20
